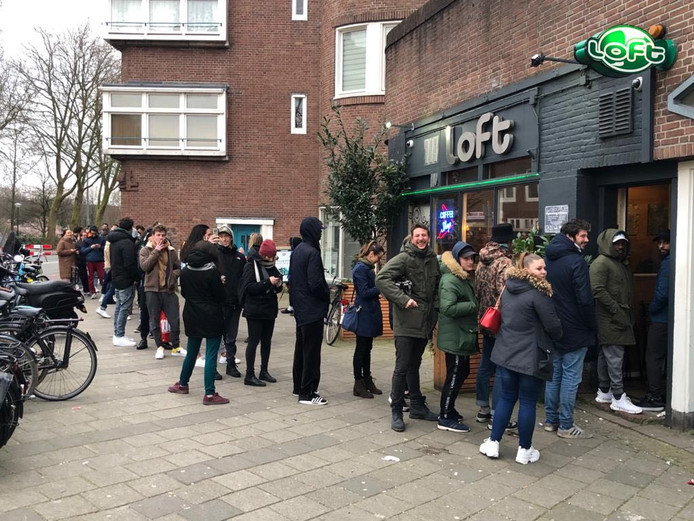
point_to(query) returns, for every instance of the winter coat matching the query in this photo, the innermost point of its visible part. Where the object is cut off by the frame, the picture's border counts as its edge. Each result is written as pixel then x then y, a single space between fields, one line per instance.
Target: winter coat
pixel 421 268
pixel 567 272
pixel 124 271
pixel 93 254
pixel 80 261
pixel 611 280
pixel 66 257
pixel 457 331
pixel 367 300
pixel 659 307
pixel 258 295
pixel 490 276
pixel 310 295
pixel 232 268
pixel 201 286
pixel 529 326
pixel 149 264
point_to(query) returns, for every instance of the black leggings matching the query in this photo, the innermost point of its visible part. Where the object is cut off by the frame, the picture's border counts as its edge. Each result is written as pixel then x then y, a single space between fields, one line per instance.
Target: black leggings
pixel 259 331
pixel 457 370
pixel 362 357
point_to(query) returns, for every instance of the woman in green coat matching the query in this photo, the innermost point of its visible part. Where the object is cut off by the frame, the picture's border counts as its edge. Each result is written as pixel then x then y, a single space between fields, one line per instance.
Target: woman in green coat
pixel 457 334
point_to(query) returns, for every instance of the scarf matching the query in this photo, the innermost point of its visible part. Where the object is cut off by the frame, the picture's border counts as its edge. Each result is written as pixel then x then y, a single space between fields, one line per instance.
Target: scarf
pixel 267 263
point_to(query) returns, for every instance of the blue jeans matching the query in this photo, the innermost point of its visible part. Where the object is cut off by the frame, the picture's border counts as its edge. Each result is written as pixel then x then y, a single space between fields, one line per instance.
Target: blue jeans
pixel 516 387
pixel 484 373
pixel 106 298
pixel 124 299
pixel 560 393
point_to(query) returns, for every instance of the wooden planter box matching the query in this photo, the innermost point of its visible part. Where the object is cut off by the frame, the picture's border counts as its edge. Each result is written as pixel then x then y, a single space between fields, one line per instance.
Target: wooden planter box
pixel 440 368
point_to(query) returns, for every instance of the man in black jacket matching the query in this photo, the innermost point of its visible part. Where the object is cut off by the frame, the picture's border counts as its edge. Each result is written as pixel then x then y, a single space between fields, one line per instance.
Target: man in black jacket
pixel 310 297
pixel 567 271
pixel 124 276
pixel 232 269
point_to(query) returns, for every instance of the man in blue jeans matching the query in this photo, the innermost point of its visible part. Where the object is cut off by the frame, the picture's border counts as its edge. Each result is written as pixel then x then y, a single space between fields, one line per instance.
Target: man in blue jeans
pixel 124 275
pixel 573 299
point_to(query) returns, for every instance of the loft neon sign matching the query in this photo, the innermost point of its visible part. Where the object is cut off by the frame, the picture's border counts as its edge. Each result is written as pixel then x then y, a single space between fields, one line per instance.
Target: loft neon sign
pixel 623 49
pixel 489 128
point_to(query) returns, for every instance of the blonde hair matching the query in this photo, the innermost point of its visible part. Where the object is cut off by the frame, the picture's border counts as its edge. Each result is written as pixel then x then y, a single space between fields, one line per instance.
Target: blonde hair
pixel 526 259
pixel 255 240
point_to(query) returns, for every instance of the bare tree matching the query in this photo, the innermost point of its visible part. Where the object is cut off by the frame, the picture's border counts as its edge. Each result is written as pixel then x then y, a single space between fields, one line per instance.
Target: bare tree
pixel 19 161
pixel 14 94
pixel 65 73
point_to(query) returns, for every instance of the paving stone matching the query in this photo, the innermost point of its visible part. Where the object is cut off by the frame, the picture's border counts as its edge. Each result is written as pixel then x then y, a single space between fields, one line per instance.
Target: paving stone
pixel 566 512
pixel 677 497
pixel 299 508
pixel 383 506
pixel 289 487
pixel 542 496
pixel 364 486
pixel 630 477
pixel 517 509
pixel 239 480
pixel 215 510
pixel 612 488
pixel 21 514
pixel 649 509
pixel 194 473
pixel 158 506
pixel 596 502
pixel 154 485
pixel 65 508
pixel 250 499
pixel 110 477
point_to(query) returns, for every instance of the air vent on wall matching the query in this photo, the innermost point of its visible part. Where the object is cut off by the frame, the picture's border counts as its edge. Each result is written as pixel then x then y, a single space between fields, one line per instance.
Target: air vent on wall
pixel 615 113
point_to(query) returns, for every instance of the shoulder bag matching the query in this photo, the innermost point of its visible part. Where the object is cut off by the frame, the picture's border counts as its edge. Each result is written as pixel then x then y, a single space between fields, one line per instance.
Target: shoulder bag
pixel 491 318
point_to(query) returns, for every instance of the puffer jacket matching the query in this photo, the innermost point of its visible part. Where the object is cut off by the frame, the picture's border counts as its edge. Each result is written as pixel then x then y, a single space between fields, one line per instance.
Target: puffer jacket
pixel 421 268
pixel 490 276
pixel 529 326
pixel 457 332
pixel 611 280
pixel 367 299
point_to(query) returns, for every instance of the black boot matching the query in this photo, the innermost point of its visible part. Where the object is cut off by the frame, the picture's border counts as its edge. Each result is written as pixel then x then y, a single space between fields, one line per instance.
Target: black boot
pixel 264 375
pixel 420 411
pixel 396 422
pixel 142 344
pixel 371 386
pixel 253 381
pixel 232 370
pixel 217 376
pixel 360 389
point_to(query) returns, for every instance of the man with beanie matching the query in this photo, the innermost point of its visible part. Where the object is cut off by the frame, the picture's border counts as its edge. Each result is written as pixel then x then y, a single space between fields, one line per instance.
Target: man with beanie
pixel 232 268
pixel 613 289
pixel 410 281
pixel 567 272
pixel 124 276
pixel 310 298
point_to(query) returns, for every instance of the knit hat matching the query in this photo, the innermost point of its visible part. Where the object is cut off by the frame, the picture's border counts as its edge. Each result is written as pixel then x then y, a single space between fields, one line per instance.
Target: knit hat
pixel 225 229
pixel 268 248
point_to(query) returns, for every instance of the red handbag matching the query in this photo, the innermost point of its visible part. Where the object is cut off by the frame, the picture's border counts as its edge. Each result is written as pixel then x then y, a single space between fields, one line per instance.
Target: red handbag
pixel 491 318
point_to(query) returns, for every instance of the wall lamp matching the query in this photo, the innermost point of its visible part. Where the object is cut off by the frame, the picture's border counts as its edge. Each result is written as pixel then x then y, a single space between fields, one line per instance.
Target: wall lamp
pixel 538 59
pixel 409 127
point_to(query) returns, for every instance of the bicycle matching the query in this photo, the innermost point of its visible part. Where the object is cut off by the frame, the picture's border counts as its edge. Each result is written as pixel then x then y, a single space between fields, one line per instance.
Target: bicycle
pixel 333 322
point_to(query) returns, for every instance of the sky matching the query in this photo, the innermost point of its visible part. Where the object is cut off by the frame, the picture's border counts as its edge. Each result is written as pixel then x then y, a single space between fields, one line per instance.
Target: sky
pixel 18 18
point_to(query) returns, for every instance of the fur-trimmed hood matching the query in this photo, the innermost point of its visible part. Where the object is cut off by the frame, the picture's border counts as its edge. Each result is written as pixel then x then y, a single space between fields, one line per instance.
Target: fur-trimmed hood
pixel 519 280
pixel 449 264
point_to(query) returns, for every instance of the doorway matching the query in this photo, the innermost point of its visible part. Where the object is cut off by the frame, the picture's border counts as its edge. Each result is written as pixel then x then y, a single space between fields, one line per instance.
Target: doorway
pixel 242 233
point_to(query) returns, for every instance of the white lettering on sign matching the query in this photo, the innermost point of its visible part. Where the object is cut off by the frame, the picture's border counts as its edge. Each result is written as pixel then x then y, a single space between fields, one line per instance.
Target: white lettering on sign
pixel 488 129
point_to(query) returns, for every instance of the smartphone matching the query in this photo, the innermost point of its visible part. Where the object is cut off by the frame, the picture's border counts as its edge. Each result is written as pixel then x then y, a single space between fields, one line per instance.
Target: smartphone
pixel 215 231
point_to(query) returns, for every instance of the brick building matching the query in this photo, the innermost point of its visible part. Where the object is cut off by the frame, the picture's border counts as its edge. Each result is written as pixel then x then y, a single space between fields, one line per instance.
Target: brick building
pixel 493 139
pixel 216 116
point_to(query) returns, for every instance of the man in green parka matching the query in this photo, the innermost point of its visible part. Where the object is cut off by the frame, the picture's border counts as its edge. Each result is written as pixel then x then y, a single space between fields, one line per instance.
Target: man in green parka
pixel 410 281
pixel 457 333
pixel 611 280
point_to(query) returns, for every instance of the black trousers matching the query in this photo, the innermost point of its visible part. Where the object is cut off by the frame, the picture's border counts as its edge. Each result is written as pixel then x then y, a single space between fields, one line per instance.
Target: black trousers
pixel 307 351
pixel 656 357
pixel 144 312
pixel 158 301
pixel 408 358
pixel 84 279
pixel 361 361
pixel 259 331
pixel 232 316
pixel 457 370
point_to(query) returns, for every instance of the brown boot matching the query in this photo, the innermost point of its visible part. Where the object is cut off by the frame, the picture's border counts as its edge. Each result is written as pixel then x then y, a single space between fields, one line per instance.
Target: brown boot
pixel 371 386
pixel 360 389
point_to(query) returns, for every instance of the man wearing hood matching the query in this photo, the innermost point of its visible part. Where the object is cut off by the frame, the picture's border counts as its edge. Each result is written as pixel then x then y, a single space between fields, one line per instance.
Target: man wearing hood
pixel 567 272
pixel 310 297
pixel 611 280
pixel 410 281
pixel 124 275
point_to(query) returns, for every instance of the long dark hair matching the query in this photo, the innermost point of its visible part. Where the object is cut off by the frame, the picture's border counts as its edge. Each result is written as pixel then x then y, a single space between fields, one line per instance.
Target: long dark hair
pixel 196 234
pixel 209 249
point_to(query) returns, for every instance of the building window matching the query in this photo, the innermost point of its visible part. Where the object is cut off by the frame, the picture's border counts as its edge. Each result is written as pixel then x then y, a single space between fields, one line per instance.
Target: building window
pixel 338 248
pixel 298 114
pixel 167 19
pixel 299 9
pixel 517 208
pixel 164 121
pixel 360 59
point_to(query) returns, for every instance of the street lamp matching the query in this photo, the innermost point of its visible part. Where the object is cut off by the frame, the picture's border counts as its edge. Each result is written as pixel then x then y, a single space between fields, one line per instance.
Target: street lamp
pixel 17 205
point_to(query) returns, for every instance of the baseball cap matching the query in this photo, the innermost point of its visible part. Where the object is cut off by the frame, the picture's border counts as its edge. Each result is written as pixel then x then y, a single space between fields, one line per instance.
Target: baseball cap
pixel 619 236
pixel 662 236
pixel 225 229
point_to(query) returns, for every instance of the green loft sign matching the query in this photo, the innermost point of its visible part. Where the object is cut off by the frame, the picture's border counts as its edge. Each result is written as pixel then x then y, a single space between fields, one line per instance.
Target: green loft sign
pixel 623 49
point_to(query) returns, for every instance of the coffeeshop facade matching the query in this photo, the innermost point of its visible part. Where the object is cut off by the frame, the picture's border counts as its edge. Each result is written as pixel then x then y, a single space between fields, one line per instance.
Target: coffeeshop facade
pixel 535 144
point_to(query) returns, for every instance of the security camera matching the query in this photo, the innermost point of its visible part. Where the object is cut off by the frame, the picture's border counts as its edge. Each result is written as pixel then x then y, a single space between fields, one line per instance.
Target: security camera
pixel 537 59
pixel 410 143
pixel 637 84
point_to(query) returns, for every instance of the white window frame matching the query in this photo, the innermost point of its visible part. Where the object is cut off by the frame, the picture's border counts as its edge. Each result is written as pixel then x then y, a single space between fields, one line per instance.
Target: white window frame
pixel 300 17
pixel 294 129
pixel 376 33
pixel 528 197
pixel 144 31
pixel 181 146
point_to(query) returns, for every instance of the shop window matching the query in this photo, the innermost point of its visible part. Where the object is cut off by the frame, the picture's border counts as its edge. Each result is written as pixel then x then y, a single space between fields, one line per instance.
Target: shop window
pixel 522 165
pixel 478 217
pixel 466 175
pixel 360 59
pixel 298 114
pixel 446 224
pixel 299 9
pixel 517 209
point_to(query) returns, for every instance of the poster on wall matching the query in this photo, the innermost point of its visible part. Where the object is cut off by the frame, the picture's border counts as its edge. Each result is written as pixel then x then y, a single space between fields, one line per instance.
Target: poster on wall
pixel 446 221
pixel 555 216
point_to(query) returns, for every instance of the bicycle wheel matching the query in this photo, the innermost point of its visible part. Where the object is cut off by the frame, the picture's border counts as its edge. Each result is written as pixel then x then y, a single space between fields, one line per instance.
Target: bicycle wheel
pixel 66 377
pixel 26 360
pixel 332 328
pixel 41 278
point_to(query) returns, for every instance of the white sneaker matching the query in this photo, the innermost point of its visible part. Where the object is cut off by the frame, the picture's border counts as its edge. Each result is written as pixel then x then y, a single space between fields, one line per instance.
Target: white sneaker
pixel 122 341
pixel 178 351
pixel 624 405
pixel 490 448
pixel 237 361
pixel 604 397
pixel 102 312
pixel 159 355
pixel 316 399
pixel 222 359
pixel 526 456
pixel 200 362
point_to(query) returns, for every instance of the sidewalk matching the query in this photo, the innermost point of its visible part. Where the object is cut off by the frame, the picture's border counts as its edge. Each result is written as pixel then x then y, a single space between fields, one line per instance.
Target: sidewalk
pixel 126 449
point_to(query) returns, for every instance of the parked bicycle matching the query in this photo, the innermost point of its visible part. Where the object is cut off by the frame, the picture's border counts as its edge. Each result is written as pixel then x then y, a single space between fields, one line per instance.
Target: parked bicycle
pixel 333 322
